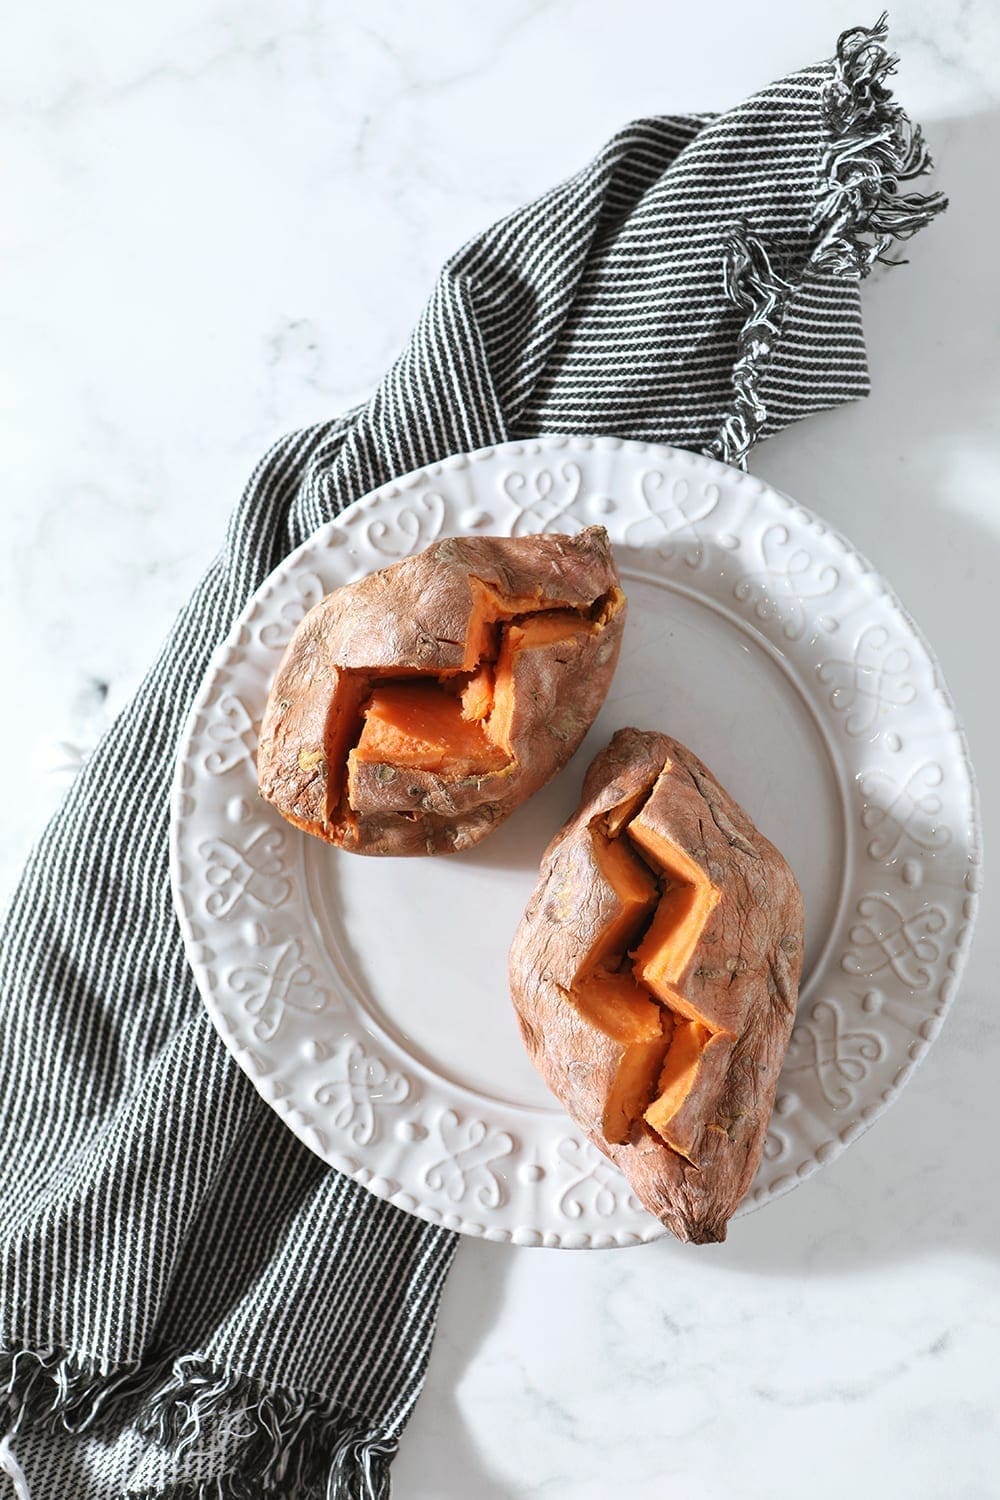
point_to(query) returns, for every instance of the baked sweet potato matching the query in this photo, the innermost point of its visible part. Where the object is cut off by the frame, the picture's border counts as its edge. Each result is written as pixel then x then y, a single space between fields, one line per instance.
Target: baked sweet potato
pixel 655 975
pixel 415 709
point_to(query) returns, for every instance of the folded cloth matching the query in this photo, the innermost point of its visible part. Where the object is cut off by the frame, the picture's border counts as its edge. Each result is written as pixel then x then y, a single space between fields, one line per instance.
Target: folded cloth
pixel 193 1304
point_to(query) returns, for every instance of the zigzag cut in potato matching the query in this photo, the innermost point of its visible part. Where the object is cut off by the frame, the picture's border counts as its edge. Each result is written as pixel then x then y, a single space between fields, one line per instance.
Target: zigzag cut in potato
pixel 655 975
pixel 415 709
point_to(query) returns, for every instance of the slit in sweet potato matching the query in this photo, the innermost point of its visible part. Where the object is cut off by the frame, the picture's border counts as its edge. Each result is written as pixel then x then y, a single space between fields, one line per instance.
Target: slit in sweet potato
pixel 685 1115
pixel 637 893
pixel 628 983
pixel 637 1029
pixel 453 725
pixel 523 634
pixel 633 1084
pixel 415 708
pixel 693 1067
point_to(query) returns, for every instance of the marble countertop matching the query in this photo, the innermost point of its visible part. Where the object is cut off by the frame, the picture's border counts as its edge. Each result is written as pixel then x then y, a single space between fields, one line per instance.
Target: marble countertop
pixel 179 288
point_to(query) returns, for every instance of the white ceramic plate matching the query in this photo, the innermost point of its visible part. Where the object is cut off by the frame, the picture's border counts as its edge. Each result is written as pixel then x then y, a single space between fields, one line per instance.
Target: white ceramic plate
pixel 366 998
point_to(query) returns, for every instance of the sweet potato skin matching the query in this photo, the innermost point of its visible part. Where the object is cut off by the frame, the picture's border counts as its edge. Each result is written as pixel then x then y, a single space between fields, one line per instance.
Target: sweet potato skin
pixel 743 975
pixel 413 618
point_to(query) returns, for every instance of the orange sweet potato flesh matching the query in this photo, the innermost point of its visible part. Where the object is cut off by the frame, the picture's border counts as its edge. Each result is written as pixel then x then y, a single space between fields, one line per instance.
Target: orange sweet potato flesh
pixel 421 725
pixel 655 975
pixel 415 709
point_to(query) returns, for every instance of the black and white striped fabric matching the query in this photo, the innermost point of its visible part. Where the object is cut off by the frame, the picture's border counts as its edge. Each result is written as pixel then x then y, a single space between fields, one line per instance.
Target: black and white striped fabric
pixel 192 1304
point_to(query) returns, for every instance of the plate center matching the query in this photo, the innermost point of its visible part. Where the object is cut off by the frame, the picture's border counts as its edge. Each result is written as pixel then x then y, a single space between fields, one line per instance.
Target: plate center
pixel 424 941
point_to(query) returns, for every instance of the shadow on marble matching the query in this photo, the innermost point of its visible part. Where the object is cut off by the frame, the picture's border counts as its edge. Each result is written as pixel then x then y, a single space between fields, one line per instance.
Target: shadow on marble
pixel 913 1186
pixel 917 1181
pixel 437 1458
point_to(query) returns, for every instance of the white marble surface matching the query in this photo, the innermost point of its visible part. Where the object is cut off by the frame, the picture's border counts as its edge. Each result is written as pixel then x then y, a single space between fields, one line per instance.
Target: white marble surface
pixel 179 286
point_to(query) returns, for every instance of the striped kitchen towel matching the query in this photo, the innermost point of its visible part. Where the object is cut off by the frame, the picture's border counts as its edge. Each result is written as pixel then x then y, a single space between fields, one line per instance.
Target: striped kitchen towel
pixel 192 1304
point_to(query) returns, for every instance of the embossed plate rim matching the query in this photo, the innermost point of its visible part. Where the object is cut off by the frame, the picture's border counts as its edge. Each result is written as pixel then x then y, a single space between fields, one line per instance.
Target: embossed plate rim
pixel 577 1228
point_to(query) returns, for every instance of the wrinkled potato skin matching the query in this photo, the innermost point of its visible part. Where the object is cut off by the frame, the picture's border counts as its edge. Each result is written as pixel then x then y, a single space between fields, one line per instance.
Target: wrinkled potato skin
pixel 414 616
pixel 744 974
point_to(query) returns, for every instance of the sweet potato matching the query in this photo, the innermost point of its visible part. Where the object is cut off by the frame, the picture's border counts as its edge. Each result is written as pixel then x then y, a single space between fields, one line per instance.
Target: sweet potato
pixel 415 709
pixel 655 975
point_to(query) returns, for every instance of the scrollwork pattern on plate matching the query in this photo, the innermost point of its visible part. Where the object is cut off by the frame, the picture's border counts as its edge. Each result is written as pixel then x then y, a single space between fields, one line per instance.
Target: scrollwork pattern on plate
pixel 675 509
pixel 285 981
pixel 840 1055
pixel 596 1185
pixel 253 876
pixel 788 579
pixel 354 1091
pixel 363 1089
pixel 307 589
pixel 544 498
pixel 886 938
pixel 230 729
pixel 470 1148
pixel 874 682
pixel 895 810
pixel 411 529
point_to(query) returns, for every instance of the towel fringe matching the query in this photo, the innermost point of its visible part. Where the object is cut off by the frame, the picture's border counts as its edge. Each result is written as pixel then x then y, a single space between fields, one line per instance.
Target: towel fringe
pixel 873 147
pixel 860 214
pixel 289 1442
pixel 752 283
